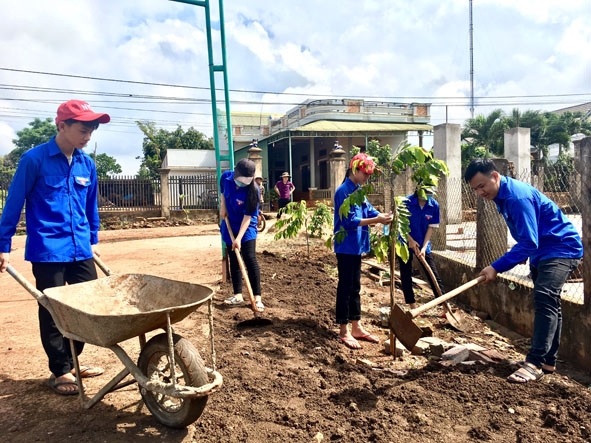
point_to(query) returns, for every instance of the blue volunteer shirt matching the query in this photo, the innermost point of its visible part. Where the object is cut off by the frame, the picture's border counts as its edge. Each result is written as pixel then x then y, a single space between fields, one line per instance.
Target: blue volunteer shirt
pixel 422 218
pixel 236 207
pixel 61 205
pixel 540 228
pixel 356 241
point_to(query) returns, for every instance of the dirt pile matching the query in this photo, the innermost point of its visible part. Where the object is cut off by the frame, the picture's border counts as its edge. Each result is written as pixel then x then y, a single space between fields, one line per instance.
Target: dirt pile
pixel 290 381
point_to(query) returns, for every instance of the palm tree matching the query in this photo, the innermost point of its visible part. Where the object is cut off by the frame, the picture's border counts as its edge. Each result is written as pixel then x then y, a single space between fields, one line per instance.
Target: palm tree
pixel 484 133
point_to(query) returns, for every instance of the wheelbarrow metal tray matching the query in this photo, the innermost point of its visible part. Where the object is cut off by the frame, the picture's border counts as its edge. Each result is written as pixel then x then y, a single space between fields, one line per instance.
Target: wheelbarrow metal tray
pixel 113 309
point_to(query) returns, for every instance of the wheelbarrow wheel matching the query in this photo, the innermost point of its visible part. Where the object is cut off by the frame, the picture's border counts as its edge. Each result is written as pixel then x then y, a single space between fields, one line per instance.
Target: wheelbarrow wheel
pixel 189 370
pixel 262 223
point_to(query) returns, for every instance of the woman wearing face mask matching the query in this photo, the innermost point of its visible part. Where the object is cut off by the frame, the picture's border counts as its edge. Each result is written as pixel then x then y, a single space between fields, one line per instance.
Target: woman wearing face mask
pixel 240 203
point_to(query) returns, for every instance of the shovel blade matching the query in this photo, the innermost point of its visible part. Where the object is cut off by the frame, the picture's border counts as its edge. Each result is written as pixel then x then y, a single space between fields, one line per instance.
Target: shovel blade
pixel 405 330
pixel 256 322
pixel 455 320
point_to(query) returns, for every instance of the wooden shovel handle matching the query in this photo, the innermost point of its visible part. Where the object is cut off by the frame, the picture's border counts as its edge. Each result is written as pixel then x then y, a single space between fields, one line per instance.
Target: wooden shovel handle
pixel 242 268
pixel 435 283
pixel 430 272
pixel 447 296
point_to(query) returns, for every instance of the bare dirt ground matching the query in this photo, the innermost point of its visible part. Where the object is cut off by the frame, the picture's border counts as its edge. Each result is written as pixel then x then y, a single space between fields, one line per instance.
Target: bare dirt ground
pixel 291 381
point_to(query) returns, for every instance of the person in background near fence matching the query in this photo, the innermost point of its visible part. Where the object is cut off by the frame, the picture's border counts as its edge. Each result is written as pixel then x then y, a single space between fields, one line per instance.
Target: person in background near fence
pixel 259 182
pixel 553 246
pixel 240 203
pixel 58 184
pixel 424 216
pixel 349 249
pixel 284 188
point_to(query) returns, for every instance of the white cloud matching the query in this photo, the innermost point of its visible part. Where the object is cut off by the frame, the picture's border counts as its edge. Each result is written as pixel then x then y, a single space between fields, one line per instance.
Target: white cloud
pixel 397 50
pixel 7 134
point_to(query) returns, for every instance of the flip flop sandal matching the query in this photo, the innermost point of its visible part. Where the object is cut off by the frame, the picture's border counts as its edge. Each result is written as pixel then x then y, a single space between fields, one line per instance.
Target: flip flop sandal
pixel 55 386
pixel 351 343
pixel 546 369
pixel 368 337
pixel 89 371
pixel 525 374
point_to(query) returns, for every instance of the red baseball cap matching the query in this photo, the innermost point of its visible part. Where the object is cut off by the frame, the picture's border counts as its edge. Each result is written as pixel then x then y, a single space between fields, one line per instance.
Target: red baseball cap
pixel 79 110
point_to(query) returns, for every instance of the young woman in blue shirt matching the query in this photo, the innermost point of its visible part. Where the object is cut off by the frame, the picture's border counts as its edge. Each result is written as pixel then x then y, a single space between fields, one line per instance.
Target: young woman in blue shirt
pixel 424 217
pixel 240 203
pixel 348 251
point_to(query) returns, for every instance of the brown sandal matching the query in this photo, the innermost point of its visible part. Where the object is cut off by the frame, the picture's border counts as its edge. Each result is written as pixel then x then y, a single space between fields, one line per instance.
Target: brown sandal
pixel 526 373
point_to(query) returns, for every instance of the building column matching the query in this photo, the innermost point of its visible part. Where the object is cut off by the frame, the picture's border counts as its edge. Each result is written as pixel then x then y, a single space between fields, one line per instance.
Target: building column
pixel 337 168
pixel 254 154
pixel 517 150
pixel 312 158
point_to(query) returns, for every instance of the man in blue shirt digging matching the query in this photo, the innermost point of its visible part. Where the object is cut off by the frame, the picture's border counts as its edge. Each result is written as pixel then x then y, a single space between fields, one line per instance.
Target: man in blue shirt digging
pixel 58 183
pixel 551 243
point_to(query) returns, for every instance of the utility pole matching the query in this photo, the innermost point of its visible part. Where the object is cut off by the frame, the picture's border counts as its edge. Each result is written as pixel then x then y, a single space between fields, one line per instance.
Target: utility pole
pixel 471 64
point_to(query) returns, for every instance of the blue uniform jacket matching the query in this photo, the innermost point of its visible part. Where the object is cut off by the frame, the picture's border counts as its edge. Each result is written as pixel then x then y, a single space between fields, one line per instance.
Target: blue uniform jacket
pixel 61 205
pixel 540 228
pixel 356 242
pixel 236 207
pixel 422 218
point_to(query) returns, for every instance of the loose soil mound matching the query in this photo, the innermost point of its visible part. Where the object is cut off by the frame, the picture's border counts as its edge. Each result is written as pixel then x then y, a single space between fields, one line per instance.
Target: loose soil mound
pixel 291 381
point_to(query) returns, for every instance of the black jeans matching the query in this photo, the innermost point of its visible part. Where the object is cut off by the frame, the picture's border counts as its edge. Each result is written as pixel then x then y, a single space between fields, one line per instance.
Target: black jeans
pixel 348 306
pixel 282 203
pixel 549 277
pixel 248 252
pixel 406 277
pixel 50 275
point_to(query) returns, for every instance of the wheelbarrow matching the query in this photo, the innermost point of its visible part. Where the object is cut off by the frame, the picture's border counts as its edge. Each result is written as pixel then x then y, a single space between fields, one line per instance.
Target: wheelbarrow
pixel 173 381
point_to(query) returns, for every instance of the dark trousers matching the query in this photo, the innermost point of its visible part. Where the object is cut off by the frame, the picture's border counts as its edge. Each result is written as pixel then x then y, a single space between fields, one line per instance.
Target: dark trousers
pixel 282 203
pixel 549 277
pixel 248 252
pixel 406 277
pixel 348 307
pixel 50 275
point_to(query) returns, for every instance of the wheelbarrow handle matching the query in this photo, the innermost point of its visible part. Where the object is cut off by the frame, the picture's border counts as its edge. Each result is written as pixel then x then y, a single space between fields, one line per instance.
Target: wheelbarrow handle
pixel 445 297
pixel 39 296
pixel 101 264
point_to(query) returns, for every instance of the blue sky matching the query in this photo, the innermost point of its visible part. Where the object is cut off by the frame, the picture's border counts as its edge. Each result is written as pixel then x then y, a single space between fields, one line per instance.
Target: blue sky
pixel 530 54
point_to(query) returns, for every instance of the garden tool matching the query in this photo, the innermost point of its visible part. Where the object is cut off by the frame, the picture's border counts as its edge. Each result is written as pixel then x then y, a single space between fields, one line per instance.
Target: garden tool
pixel 454 319
pixel 402 324
pixel 257 320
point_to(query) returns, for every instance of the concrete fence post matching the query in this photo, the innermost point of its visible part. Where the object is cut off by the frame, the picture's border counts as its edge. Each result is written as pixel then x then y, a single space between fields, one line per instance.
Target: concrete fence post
pixel 585 162
pixel 164 193
pixel 491 229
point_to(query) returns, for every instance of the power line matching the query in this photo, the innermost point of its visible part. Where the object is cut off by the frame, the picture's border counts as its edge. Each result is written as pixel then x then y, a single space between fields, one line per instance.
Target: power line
pixel 205 88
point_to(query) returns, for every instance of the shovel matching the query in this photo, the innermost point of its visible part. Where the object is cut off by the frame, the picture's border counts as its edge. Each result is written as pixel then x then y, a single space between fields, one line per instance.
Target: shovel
pixel 453 319
pixel 406 330
pixel 257 320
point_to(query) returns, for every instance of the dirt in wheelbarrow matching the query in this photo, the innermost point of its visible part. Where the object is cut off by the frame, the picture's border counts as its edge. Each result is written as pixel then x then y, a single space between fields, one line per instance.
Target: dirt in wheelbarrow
pixel 291 381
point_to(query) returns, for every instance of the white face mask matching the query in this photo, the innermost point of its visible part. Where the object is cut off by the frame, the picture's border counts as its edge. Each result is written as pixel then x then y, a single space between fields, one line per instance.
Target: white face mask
pixel 240 184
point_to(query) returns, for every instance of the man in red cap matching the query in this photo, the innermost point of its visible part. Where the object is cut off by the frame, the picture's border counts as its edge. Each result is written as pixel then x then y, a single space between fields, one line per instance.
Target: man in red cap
pixel 58 183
